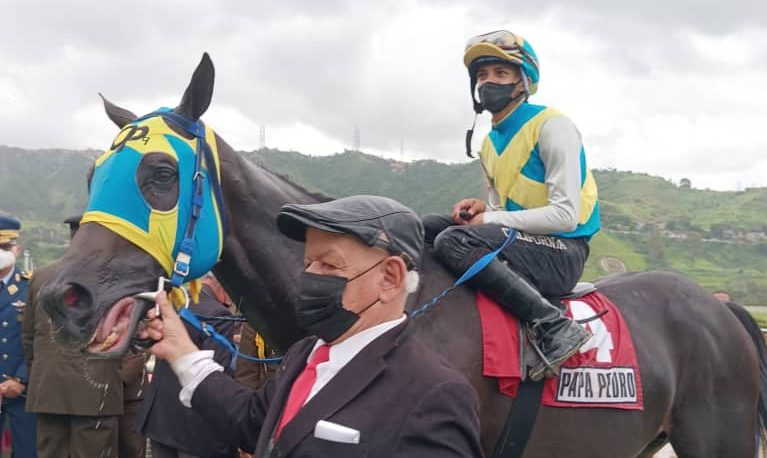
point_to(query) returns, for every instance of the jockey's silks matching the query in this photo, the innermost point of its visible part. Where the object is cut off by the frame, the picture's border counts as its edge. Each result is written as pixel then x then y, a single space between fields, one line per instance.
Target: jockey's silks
pixel 513 163
pixel 117 204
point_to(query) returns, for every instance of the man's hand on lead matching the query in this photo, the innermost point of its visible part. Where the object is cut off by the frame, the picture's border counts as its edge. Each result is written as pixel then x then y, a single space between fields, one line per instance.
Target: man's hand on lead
pixel 168 330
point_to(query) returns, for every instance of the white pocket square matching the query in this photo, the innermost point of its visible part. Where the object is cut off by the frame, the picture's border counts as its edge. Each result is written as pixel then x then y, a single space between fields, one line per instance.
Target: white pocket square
pixel 334 432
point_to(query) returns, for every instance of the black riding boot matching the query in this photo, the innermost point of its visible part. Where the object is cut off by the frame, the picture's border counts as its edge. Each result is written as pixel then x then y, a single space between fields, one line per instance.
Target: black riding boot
pixel 557 336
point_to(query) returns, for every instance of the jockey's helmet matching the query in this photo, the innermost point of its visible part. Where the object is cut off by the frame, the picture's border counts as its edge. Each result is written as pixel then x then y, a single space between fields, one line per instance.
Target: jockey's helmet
pixel 503 47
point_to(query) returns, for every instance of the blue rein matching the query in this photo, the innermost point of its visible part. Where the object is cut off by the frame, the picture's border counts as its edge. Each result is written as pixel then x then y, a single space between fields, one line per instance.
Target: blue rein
pixel 195 128
pixel 183 259
pixel 193 320
pixel 473 270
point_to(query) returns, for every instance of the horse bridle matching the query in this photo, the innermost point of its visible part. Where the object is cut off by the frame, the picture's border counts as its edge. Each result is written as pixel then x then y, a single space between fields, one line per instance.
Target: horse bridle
pixel 195 128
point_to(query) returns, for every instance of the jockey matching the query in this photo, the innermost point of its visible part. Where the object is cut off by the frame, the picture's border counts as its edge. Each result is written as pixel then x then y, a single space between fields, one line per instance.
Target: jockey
pixel 539 185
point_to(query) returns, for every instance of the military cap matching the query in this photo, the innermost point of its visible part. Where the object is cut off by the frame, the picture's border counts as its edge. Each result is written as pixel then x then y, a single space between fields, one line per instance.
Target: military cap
pixel 9 228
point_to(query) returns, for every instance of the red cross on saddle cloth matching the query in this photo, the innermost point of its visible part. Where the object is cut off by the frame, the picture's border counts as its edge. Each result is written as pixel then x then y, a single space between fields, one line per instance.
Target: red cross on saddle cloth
pixel 604 373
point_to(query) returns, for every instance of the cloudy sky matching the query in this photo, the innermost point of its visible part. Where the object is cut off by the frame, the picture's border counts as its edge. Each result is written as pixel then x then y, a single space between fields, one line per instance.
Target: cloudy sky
pixel 675 88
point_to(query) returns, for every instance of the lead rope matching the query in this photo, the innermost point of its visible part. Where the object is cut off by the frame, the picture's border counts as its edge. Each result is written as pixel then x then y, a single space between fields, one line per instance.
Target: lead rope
pixel 473 270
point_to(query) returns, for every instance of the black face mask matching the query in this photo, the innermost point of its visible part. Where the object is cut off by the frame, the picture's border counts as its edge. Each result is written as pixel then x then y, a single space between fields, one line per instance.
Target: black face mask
pixel 495 97
pixel 320 309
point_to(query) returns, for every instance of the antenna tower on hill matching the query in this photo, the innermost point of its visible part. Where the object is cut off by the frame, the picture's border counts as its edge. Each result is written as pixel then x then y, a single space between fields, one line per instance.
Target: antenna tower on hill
pixel 356 139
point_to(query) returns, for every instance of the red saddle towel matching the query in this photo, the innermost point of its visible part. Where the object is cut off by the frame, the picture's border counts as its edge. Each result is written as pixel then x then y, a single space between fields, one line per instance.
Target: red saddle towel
pixel 604 373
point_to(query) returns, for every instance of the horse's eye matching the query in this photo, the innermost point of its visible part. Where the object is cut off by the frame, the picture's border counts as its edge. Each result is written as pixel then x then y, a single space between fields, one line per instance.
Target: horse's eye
pixel 157 177
pixel 164 174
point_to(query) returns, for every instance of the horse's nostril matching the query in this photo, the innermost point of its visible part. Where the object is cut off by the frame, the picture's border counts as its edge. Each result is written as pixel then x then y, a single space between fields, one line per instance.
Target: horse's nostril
pixel 75 296
pixel 70 298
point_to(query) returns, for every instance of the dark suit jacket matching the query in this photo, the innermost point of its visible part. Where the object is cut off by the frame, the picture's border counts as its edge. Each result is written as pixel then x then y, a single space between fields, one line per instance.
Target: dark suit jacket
pixel 162 417
pixel 63 381
pixel 404 400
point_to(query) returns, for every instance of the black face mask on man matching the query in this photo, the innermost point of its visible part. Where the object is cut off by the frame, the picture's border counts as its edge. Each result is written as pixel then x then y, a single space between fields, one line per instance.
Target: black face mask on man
pixel 320 308
pixel 495 97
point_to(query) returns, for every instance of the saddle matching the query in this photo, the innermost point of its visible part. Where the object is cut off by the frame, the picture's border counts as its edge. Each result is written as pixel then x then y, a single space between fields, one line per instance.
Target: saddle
pixel 581 288
pixel 603 373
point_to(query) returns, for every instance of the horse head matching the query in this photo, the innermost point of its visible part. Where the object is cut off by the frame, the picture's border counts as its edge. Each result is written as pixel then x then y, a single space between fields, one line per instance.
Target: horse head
pixel 155 210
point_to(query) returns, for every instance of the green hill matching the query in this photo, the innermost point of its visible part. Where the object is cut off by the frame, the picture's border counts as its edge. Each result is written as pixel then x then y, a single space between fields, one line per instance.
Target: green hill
pixel 425 186
pixel 649 223
pixel 717 238
pixel 642 198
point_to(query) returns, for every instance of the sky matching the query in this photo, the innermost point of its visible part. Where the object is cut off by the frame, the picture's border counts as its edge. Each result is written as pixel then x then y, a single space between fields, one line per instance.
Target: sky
pixel 675 88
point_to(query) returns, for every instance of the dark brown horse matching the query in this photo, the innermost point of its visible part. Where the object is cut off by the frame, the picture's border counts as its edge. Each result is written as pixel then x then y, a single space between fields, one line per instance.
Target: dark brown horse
pixel 699 366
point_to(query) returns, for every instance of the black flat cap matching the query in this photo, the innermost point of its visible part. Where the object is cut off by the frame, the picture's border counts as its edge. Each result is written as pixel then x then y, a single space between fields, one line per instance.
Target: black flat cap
pixel 376 221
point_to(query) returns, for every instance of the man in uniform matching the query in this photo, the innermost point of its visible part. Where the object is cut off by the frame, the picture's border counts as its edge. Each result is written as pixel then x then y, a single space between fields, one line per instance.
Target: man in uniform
pixel 78 401
pixel 131 443
pixel 13 369
pixel 253 374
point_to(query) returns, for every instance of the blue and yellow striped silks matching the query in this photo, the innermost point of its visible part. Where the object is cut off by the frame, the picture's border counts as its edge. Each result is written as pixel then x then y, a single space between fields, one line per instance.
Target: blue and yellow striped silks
pixel 117 204
pixel 511 157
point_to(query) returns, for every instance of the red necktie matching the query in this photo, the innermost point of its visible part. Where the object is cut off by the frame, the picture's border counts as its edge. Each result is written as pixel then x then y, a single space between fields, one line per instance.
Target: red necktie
pixel 302 386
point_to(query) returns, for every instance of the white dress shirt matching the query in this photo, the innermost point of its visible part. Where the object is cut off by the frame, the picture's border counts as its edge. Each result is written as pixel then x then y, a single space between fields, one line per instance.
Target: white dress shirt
pixel 342 353
pixel 192 368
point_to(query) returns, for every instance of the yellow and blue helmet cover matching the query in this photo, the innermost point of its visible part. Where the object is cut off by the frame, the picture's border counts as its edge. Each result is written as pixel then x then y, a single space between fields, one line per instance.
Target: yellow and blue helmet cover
pixel 503 46
pixel 117 204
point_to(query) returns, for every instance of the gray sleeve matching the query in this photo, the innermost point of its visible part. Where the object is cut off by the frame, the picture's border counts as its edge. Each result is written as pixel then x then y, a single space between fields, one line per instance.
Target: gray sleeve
pixel 493 201
pixel 560 145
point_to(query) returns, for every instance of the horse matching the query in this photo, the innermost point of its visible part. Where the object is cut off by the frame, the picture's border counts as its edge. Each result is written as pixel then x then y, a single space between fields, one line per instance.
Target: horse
pixel 702 372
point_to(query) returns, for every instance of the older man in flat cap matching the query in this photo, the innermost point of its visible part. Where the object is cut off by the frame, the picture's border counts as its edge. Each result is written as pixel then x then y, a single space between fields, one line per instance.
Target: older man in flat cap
pixel 13 369
pixel 362 385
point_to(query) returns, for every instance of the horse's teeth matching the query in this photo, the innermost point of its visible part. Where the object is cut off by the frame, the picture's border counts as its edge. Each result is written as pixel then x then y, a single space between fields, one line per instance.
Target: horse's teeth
pixel 109 341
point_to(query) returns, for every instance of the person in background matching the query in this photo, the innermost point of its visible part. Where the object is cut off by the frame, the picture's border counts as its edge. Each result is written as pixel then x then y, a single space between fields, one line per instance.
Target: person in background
pixel 134 377
pixel 78 401
pixel 130 442
pixel 175 431
pixel 253 374
pixel 722 296
pixel 13 369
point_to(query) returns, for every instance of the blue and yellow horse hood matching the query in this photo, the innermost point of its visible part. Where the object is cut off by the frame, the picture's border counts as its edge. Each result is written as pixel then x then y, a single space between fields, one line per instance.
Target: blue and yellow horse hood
pixel 116 202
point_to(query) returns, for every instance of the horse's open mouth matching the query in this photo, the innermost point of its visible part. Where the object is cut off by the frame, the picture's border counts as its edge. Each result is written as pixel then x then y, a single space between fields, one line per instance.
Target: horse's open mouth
pixel 113 334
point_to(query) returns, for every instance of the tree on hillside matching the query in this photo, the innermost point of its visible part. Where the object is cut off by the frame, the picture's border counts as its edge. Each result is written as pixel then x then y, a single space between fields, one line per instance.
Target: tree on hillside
pixel 695 243
pixel 716 230
pixel 656 251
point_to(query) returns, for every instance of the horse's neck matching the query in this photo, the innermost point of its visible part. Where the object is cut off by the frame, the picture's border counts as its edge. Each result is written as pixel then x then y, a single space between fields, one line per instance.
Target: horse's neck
pixel 259 266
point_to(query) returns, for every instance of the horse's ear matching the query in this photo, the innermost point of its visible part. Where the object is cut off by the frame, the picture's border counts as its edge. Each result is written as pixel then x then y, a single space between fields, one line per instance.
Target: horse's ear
pixel 200 90
pixel 119 116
